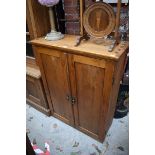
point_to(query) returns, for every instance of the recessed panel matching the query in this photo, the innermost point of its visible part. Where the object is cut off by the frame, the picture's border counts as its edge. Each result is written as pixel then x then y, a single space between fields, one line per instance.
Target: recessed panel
pixel 56 75
pixel 90 83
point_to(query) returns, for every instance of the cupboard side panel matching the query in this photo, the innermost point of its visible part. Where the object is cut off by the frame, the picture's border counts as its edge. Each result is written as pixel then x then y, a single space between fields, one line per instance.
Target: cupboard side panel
pixel 109 71
pixel 115 90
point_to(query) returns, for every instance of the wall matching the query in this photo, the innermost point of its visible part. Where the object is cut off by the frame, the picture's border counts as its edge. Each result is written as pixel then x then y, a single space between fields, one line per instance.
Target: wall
pixel 71 9
pixel 72 15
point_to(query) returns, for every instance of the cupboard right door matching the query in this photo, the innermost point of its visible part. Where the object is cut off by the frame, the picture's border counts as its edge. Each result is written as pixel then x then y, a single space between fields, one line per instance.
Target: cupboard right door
pixel 91 82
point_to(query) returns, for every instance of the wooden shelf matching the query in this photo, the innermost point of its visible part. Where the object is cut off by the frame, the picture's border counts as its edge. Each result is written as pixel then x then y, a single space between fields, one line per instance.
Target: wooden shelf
pixel 27 33
pixel 28 42
pixel 37 24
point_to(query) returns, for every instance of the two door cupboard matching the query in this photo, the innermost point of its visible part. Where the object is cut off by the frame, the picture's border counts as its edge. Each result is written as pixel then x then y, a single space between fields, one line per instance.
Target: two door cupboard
pixel 81 83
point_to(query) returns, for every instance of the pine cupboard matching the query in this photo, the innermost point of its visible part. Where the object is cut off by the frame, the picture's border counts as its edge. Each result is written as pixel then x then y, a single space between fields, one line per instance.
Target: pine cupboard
pixel 81 83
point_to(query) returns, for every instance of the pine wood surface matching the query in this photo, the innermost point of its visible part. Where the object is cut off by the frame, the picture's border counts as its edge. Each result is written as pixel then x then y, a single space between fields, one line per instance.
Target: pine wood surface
pixel 33 71
pixel 87 74
pixel 85 48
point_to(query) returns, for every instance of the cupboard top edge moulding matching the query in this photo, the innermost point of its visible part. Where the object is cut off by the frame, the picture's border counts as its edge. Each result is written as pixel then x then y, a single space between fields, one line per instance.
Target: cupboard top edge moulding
pixel 86 48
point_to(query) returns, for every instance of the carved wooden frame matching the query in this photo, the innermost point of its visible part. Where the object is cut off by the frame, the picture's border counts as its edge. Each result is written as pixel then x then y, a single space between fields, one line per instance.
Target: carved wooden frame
pixel 82 7
pixel 111 15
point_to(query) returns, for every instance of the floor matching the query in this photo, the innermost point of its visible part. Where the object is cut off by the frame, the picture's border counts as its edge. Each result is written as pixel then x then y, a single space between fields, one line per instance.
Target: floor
pixel 65 140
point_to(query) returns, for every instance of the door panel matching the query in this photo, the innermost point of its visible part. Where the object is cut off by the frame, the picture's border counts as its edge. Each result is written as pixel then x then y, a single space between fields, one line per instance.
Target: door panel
pixel 35 94
pixel 31 90
pixel 56 72
pixel 31 87
pixel 87 82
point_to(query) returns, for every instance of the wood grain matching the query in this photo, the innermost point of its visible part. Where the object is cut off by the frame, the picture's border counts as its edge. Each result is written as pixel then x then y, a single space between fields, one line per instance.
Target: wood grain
pixel 88 74
pixel 37 19
pixel 39 60
pixel 57 79
pixel 38 25
pixel 33 72
pixel 89 61
pixel 31 61
pixel 106 96
pixel 86 48
pixel 88 80
pixel 99 19
pixel 35 94
pixel 119 69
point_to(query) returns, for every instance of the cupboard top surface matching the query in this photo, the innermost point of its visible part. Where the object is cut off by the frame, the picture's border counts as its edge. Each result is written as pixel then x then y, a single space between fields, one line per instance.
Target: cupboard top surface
pixel 85 48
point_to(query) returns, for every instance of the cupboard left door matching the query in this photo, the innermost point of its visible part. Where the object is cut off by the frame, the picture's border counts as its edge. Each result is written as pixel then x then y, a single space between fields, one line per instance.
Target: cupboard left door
pixel 55 72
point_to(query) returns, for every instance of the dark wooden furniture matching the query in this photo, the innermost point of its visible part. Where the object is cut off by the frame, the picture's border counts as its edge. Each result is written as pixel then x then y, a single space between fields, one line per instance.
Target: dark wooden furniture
pixel 37 19
pixel 35 95
pixel 37 25
pixel 81 83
